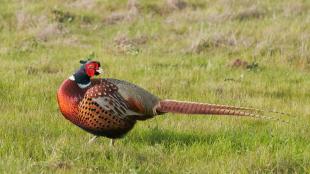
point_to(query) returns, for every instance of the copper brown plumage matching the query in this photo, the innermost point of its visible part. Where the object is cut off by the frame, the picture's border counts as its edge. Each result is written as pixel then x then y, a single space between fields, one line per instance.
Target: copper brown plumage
pixel 102 110
pixel 111 107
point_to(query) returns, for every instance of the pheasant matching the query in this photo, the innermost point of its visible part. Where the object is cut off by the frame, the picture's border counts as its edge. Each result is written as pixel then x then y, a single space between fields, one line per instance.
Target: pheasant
pixel 110 107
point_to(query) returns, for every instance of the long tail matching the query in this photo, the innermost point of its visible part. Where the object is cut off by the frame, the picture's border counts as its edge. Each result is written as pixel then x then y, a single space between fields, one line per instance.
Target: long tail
pixel 209 109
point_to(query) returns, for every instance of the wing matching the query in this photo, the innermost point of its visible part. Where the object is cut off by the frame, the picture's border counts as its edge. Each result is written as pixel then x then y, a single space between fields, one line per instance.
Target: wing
pixel 138 99
pixel 106 96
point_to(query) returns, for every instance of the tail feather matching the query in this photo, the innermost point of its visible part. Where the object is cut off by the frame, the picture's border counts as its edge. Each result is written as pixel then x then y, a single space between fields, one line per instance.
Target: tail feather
pixel 248 109
pixel 205 108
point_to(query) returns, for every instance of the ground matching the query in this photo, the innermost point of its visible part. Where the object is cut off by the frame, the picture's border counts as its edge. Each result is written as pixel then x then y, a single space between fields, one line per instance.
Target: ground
pixel 242 52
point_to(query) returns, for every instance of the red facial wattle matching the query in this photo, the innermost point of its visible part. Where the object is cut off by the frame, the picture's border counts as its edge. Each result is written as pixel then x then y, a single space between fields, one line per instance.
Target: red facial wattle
pixel 91 68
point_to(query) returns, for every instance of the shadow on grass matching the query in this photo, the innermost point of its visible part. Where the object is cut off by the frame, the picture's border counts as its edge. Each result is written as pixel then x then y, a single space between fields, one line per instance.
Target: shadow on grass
pixel 164 136
pixel 168 137
pixel 238 140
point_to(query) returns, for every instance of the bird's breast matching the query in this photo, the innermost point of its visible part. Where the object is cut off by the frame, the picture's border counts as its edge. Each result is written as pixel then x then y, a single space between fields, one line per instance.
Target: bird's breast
pixel 69 96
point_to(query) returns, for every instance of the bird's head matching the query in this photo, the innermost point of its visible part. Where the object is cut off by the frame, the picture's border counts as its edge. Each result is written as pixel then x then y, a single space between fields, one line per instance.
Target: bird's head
pixel 88 69
pixel 91 67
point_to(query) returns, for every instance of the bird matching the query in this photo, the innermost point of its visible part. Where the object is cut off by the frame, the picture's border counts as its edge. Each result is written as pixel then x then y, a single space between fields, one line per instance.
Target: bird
pixel 110 107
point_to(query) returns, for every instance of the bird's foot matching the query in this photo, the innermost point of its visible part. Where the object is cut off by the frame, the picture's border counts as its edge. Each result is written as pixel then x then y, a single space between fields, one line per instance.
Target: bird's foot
pixel 112 142
pixel 92 140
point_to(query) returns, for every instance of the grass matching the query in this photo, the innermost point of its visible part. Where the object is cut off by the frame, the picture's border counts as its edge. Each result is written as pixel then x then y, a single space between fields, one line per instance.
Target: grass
pixel 185 52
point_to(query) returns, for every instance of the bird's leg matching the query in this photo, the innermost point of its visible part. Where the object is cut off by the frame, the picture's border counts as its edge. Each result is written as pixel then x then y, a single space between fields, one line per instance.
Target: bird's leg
pixel 112 142
pixel 92 140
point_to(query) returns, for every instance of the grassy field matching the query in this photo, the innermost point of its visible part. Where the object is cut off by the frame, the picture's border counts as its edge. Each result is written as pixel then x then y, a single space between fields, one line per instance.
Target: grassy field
pixel 241 52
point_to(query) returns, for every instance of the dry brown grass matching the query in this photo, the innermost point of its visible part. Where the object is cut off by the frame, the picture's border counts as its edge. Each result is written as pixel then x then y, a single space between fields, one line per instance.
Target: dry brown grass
pixel 83 4
pixel 296 8
pixel 214 16
pixel 130 14
pixel 176 4
pixel 239 63
pixel 42 66
pixel 125 44
pixel 61 16
pixel 253 12
pixel 114 18
pixel 218 17
pixel 51 31
pixel 204 41
pixel 23 19
pixel 27 45
pixel 167 7
pixel 186 16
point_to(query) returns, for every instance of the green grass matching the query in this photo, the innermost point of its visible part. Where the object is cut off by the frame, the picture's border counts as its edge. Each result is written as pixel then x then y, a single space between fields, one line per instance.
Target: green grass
pixel 184 54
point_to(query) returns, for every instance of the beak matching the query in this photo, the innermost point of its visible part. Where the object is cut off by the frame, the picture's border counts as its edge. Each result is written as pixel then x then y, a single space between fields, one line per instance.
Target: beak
pixel 100 70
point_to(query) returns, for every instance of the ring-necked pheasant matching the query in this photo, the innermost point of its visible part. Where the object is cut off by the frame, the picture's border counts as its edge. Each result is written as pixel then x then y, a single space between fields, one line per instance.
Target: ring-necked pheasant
pixel 110 107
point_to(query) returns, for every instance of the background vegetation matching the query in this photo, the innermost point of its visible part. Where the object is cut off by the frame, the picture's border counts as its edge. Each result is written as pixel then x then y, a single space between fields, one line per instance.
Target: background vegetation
pixel 240 52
